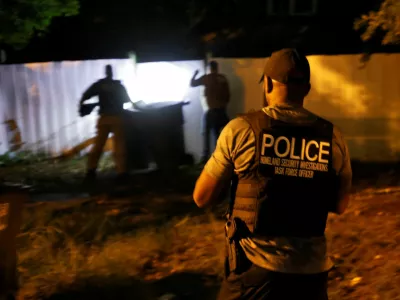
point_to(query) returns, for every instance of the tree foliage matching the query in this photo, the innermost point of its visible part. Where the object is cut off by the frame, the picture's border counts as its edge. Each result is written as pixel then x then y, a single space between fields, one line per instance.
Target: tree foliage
pixel 20 20
pixel 386 19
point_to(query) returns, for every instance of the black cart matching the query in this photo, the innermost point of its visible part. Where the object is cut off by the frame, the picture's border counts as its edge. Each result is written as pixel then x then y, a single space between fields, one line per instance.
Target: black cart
pixel 154 133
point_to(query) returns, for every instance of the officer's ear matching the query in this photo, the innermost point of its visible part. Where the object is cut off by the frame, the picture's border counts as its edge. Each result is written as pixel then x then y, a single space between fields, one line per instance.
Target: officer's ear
pixel 269 84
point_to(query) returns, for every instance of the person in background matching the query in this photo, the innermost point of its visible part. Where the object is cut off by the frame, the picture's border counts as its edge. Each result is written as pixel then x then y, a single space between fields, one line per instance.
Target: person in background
pixel 217 97
pixel 291 167
pixel 112 95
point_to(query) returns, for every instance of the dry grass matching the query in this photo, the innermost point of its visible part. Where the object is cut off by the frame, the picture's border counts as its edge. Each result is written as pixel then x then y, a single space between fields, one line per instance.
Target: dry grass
pixel 365 243
pixel 56 258
pixel 152 244
pixel 50 175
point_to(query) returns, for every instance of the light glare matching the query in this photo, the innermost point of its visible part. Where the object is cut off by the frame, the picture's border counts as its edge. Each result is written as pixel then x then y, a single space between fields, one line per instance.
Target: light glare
pixel 160 82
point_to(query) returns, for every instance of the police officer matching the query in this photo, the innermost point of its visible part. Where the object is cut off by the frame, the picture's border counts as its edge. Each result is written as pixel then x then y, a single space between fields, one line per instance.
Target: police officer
pixel 217 97
pixel 112 96
pixel 291 167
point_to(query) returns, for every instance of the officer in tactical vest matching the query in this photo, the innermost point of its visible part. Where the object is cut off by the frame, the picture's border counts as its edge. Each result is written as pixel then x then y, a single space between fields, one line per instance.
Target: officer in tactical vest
pixel 291 167
pixel 112 95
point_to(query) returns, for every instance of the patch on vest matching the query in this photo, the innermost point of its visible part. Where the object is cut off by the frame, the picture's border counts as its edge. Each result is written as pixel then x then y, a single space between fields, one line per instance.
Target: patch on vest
pixel 294 156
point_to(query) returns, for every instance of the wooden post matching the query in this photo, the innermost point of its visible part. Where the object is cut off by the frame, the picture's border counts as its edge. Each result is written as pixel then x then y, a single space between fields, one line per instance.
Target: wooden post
pixel 11 205
pixel 133 58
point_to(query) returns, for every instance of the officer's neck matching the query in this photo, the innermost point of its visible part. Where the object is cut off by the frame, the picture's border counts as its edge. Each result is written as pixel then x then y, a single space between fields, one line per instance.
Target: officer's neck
pixel 284 102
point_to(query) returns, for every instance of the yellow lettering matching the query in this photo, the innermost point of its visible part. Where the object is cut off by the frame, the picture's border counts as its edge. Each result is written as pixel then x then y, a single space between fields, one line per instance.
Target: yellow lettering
pixel 282 138
pixel 322 152
pixel 306 173
pixel 266 160
pixel 291 172
pixel 292 150
pixel 290 163
pixel 315 157
pixel 276 161
pixel 265 144
pixel 285 148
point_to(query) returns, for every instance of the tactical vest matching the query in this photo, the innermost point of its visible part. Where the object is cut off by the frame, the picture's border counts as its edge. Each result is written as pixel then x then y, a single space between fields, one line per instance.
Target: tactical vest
pixel 290 185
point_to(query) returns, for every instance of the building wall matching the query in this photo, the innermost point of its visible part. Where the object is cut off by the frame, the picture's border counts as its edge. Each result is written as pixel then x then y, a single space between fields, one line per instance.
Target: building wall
pixel 363 99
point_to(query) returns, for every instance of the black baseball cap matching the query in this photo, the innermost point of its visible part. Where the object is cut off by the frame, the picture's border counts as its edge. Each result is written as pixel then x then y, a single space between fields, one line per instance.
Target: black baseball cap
pixel 287 66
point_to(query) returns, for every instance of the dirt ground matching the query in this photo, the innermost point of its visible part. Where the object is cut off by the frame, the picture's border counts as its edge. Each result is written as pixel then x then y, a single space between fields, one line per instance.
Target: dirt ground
pixel 156 242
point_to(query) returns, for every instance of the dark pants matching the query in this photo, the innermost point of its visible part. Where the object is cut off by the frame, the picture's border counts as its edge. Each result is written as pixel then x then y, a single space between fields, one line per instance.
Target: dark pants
pixel 260 284
pixel 214 120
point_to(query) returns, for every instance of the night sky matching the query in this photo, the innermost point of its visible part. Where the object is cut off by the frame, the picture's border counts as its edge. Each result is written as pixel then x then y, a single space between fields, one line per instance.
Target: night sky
pixel 110 29
pixel 160 30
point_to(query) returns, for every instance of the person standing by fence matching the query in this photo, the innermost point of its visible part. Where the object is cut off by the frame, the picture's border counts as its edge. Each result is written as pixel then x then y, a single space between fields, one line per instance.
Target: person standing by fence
pixel 112 96
pixel 217 97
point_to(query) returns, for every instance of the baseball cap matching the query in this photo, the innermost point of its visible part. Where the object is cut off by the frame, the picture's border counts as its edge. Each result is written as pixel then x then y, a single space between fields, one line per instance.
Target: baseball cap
pixel 287 66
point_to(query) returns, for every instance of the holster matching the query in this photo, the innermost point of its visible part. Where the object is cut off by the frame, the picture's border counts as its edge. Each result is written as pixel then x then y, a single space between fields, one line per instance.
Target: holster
pixel 237 260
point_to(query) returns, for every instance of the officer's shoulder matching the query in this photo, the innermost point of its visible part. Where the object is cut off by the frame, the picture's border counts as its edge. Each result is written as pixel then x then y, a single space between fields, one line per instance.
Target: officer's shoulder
pixel 325 122
pixel 318 118
pixel 251 114
pixel 241 122
pixel 235 122
pixel 337 132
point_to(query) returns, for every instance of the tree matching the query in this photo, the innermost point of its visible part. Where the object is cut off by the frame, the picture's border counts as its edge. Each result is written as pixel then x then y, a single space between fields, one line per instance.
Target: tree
pixel 386 19
pixel 20 20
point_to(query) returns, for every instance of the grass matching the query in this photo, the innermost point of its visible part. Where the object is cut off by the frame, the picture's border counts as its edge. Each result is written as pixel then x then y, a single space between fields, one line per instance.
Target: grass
pixel 158 242
pixel 96 244
pixel 365 246
pixel 46 174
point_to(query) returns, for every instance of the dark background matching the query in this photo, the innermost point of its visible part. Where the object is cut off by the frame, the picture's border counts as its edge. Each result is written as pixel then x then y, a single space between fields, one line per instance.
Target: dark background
pixel 162 30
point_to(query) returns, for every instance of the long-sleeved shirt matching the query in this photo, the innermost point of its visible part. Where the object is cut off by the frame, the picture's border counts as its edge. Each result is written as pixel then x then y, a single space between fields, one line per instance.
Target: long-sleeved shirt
pixel 112 96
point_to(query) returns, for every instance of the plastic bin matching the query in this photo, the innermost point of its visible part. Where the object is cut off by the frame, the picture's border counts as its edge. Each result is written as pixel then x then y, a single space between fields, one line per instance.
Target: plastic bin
pixel 161 133
pixel 138 157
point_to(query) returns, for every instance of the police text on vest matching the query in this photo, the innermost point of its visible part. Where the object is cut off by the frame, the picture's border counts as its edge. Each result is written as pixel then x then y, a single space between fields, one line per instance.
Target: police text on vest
pixel 290 156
